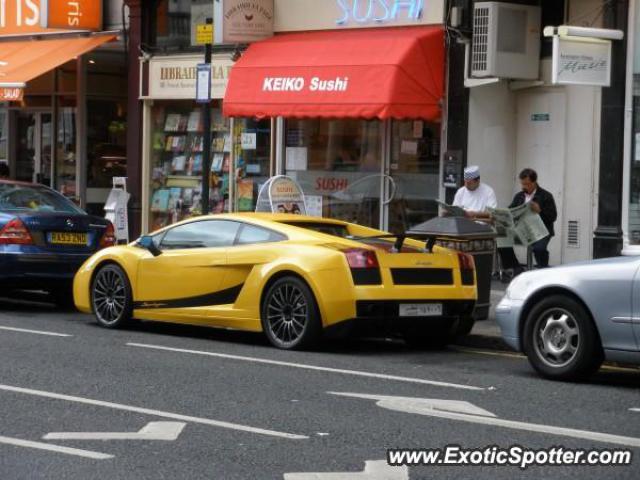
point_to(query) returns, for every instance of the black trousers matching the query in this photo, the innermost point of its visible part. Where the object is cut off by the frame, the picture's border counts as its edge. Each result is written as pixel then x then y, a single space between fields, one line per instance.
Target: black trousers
pixel 509 260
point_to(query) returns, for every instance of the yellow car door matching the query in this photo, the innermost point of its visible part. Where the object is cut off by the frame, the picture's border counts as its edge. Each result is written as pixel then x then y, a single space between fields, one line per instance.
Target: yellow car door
pixel 187 279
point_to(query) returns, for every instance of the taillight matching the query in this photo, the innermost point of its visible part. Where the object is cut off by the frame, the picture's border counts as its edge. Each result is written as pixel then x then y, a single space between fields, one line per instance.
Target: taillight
pixel 361 258
pixel 467 267
pixel 108 237
pixel 15 233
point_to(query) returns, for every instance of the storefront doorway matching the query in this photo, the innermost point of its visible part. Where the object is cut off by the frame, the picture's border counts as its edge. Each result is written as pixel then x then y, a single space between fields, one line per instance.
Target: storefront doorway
pixel 33 155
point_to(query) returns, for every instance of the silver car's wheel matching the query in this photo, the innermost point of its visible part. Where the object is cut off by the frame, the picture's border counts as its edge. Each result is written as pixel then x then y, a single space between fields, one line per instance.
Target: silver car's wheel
pixel 557 337
pixel 111 296
pixel 289 314
pixel 560 338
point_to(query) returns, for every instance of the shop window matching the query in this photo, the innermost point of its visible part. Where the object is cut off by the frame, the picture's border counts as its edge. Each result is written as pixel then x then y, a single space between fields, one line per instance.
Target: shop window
pixel 414 168
pixel 65 170
pixel 106 142
pixel 252 143
pixel 174 22
pixel 634 187
pixel 338 164
pixel 176 162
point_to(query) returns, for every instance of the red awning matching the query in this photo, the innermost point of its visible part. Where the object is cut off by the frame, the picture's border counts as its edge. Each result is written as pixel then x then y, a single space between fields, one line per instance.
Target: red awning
pixel 372 73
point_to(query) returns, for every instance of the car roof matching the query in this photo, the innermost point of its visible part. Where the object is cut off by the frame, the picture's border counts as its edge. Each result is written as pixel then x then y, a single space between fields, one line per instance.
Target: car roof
pixel 7 181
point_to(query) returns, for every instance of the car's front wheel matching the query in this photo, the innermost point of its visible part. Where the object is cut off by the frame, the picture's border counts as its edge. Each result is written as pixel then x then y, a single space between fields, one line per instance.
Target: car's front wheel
pixel 111 297
pixel 290 315
pixel 560 339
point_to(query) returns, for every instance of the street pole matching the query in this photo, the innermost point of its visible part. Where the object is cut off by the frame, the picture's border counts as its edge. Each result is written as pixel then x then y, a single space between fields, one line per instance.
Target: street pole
pixel 206 141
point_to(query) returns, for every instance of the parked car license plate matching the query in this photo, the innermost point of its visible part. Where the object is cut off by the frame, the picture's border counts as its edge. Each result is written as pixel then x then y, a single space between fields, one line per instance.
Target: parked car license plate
pixel 420 309
pixel 68 238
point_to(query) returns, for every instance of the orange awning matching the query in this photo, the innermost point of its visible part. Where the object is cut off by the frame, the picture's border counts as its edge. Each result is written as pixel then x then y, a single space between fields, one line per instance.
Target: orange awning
pixel 23 60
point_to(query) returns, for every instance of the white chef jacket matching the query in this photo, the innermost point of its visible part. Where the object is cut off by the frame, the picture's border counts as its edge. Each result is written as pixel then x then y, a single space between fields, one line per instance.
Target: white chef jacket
pixel 477 200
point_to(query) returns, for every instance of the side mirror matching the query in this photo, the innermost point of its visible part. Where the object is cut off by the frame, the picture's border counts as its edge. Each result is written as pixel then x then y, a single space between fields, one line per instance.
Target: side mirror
pixel 147 242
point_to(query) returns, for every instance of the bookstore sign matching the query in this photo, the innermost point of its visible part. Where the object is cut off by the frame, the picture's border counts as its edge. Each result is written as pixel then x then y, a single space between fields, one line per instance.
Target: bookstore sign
pixel 176 77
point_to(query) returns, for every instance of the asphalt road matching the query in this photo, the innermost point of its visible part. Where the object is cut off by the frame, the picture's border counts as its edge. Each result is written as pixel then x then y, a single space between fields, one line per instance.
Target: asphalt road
pixel 243 410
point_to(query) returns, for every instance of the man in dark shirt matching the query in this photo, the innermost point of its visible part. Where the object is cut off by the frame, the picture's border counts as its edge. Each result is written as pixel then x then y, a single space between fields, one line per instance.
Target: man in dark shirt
pixel 541 202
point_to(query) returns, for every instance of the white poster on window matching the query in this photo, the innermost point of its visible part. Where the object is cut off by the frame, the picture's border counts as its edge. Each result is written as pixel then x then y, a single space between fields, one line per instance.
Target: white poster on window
pixel 314 205
pixel 409 147
pixel 296 158
pixel 248 141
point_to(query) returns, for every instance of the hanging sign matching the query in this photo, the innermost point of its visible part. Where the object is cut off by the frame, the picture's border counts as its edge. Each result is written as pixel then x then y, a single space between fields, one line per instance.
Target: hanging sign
pixel 581 61
pixel 281 194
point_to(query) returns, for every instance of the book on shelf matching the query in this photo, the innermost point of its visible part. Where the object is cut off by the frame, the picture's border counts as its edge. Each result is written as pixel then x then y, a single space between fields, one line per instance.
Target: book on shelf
pixel 194 124
pixel 175 194
pixel 183 122
pixel 216 164
pixel 187 196
pixel 217 144
pixel 245 194
pixel 178 163
pixel 225 163
pixel 158 141
pixel 196 143
pixel 172 122
pixel 160 200
pixel 169 143
pixel 197 163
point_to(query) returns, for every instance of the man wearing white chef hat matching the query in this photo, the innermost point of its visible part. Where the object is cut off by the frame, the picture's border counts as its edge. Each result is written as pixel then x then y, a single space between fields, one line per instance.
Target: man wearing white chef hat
pixel 475 197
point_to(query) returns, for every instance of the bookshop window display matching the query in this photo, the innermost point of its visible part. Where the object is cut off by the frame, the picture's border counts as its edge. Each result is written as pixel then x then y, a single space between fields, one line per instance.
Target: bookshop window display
pixel 252 154
pixel 176 162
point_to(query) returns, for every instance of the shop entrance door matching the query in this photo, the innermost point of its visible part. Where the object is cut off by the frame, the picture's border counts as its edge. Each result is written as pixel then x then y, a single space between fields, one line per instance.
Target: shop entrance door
pixel 33 155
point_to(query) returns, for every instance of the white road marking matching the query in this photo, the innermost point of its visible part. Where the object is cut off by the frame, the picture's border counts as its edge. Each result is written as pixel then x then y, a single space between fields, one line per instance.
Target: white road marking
pixel 635 409
pixel 38 332
pixel 54 448
pixel 358 373
pixel 373 470
pixel 148 411
pixel 164 431
pixel 454 410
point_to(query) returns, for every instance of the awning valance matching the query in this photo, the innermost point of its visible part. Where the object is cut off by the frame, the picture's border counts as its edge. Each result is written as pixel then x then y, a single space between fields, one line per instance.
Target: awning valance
pixel 24 60
pixel 375 73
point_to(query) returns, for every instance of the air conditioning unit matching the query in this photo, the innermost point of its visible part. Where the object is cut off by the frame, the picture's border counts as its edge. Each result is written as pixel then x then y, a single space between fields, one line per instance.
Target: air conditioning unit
pixel 506 41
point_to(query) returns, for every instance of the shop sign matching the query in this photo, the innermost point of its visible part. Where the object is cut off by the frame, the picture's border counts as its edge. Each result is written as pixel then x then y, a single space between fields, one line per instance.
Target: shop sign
pixel 71 15
pixel 307 15
pixel 247 21
pixel 175 77
pixel 298 84
pixel 581 61
pixel 11 94
pixel 19 16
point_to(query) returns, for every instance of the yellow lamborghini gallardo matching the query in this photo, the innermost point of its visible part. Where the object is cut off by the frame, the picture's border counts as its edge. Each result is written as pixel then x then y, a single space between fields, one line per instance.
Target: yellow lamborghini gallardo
pixel 290 276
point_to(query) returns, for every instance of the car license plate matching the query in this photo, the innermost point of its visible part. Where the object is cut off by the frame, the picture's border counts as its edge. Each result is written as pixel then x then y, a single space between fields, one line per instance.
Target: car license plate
pixel 68 238
pixel 420 309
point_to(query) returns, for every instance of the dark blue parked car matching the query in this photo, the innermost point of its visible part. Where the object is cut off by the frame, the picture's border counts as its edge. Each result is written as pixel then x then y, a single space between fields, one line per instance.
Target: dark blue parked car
pixel 44 238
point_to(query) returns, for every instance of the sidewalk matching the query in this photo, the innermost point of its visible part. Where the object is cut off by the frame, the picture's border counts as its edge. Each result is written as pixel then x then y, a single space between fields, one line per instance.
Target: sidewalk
pixel 486 333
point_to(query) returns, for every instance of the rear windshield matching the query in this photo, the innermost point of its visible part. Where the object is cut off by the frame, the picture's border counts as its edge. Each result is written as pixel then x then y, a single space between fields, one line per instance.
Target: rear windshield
pixel 26 198
pixel 329 228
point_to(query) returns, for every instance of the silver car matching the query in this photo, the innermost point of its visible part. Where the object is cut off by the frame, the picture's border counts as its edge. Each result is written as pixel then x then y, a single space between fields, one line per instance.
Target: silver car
pixel 568 319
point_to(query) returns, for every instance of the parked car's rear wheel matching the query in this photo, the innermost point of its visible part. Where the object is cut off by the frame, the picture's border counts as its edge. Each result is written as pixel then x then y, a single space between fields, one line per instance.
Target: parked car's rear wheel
pixel 560 339
pixel 111 297
pixel 290 316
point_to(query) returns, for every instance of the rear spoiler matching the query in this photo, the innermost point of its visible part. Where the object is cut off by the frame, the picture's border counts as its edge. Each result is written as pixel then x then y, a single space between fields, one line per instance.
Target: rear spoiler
pixel 400 238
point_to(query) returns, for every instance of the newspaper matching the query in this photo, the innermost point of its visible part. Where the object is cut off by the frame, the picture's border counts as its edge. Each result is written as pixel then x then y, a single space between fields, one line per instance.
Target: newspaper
pixel 519 223
pixel 451 210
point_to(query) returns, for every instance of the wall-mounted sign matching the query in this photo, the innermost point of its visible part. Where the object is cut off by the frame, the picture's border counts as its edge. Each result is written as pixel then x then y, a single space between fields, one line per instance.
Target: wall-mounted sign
pixel 581 61
pixel 302 15
pixel 11 94
pixel 175 77
pixel 540 117
pixel 378 11
pixel 35 16
pixel 70 15
pixel 247 21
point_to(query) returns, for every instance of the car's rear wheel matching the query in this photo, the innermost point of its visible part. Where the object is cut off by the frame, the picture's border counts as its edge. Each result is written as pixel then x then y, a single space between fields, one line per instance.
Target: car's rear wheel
pixel 111 297
pixel 560 339
pixel 290 315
